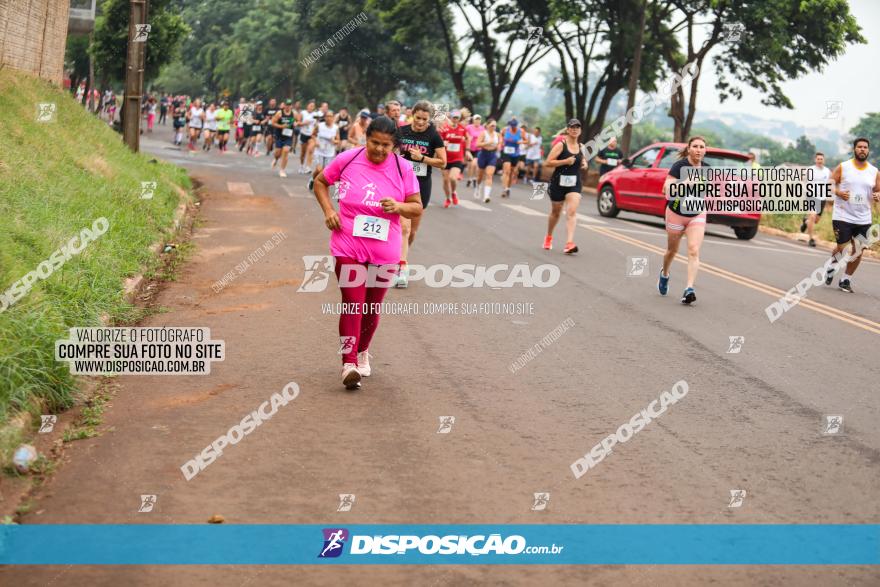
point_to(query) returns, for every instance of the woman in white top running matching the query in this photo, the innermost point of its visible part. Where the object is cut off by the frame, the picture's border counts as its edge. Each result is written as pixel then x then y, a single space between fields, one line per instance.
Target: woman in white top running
pixel 487 159
pixel 327 134
pixel 210 126
pixel 196 120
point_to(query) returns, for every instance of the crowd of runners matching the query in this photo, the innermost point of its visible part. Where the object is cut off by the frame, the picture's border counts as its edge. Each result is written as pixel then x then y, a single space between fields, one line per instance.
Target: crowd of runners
pixel 394 150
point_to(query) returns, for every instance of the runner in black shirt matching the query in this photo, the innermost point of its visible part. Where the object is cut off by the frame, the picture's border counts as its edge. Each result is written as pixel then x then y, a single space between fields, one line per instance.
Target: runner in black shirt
pixel 679 222
pixel 565 185
pixel 422 146
pixel 609 157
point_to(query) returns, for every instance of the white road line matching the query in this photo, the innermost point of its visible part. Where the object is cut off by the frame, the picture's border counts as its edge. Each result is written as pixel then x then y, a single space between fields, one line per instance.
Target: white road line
pixel 472 206
pixel 289 189
pixel 242 188
pixel 585 218
pixel 713 241
pixel 524 210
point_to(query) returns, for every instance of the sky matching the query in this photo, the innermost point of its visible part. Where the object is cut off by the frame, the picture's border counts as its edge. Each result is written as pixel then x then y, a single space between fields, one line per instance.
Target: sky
pixel 853 80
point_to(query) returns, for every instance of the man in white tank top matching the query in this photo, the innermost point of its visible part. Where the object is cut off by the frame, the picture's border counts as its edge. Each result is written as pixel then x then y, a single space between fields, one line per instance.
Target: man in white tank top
pixel 857 191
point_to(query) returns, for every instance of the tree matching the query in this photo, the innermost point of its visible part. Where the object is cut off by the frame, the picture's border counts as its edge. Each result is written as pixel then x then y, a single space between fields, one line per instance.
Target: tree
pixel 495 31
pixel 761 45
pixel 596 44
pixel 212 24
pixel 76 59
pixel 167 32
pixel 869 127
pixel 377 57
pixel 634 73
pixel 178 78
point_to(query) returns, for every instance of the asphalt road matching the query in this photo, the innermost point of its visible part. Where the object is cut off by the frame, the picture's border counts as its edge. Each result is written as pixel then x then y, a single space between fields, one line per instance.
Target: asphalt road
pixel 752 420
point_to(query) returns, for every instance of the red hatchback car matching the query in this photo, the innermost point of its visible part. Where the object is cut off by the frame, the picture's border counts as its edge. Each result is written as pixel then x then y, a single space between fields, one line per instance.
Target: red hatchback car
pixel 637 185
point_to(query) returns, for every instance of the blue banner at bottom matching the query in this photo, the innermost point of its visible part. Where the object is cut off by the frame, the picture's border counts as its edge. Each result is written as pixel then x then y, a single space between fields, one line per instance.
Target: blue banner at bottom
pixel 709 544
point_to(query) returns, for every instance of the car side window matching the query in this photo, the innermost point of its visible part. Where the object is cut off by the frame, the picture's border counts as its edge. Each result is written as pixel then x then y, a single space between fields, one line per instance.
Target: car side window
pixel 646 159
pixel 669 157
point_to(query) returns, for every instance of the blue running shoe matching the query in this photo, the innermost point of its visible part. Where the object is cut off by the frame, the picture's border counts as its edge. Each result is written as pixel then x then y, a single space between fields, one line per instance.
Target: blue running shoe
pixel 689 296
pixel 663 284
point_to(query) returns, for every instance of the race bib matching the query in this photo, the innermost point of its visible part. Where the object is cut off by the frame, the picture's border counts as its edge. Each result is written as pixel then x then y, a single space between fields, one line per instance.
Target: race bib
pixel 256 128
pixel 287 132
pixel 371 227
pixel 858 199
pixel 567 181
pixel 453 147
pixel 509 150
pixel 182 119
pixel 241 124
pixel 420 168
pixel 612 162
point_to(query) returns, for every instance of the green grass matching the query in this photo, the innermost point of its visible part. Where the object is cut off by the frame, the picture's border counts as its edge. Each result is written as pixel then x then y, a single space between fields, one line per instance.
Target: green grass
pixel 792 223
pixel 57 178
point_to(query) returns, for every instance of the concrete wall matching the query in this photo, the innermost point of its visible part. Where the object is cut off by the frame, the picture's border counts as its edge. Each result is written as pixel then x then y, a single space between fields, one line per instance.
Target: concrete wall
pixel 33 34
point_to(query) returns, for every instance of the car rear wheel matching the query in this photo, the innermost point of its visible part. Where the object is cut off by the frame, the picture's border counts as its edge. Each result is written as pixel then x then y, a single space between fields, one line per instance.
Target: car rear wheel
pixel 607 203
pixel 745 233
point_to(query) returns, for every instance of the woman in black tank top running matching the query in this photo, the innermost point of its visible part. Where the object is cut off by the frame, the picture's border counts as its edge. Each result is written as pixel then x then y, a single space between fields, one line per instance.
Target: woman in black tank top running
pixel 565 185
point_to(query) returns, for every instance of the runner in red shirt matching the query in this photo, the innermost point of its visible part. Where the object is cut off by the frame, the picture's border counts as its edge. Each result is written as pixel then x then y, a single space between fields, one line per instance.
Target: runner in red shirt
pixel 456 138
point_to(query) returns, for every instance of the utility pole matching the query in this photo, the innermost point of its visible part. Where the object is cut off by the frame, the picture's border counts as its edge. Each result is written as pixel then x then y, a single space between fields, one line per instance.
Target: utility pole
pixel 134 75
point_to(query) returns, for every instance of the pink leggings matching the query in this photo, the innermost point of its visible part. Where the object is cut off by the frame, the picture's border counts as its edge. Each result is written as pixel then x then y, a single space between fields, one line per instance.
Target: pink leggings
pixel 361 324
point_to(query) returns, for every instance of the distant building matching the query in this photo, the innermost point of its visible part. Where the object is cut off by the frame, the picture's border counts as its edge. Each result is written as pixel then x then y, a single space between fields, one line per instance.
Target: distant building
pixel 82 16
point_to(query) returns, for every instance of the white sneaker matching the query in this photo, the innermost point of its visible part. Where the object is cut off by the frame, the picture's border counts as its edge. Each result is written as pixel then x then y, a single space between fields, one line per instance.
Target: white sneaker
pixel 282 174
pixel 351 377
pixel 364 363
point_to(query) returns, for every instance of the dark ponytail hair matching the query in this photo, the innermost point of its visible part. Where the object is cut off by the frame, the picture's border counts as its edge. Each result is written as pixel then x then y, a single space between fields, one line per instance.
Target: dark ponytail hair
pixel 683 153
pixel 385 125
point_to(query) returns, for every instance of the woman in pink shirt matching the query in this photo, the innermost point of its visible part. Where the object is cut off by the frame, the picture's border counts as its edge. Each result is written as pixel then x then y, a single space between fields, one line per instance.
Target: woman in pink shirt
pixel 375 187
pixel 475 131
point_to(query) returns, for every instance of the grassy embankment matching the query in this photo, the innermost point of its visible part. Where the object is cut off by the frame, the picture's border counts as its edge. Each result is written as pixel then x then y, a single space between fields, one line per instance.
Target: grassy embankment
pixel 57 178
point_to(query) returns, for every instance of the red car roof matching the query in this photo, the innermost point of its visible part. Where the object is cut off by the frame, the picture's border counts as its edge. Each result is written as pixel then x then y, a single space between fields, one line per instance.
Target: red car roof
pixel 712 150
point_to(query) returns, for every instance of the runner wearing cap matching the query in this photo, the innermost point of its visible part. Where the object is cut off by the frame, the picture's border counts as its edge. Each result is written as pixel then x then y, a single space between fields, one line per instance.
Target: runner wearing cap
pixel 567 162
pixel 475 131
pixel 456 138
pixel 376 189
pixel 513 138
